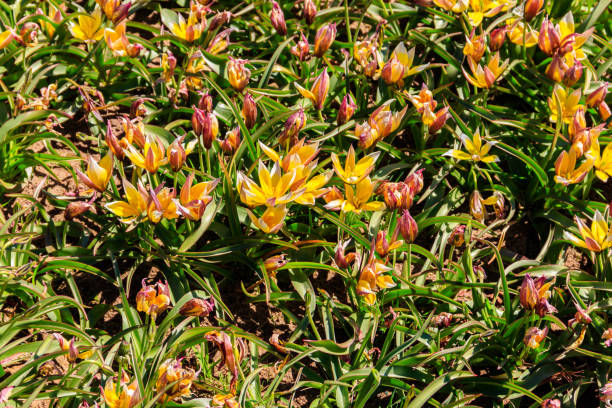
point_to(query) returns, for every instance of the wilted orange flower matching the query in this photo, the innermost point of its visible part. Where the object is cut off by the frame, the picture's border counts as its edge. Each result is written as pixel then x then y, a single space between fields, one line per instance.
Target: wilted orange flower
pixel 174 380
pixel 153 299
pixel 232 350
pixel 301 48
pixel 534 336
pixel 197 307
pixel 121 395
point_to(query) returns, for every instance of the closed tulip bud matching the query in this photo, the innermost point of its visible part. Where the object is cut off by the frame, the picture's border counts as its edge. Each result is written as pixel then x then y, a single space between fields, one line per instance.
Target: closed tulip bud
pixel 548 39
pixel 340 259
pixel 196 121
pixel 441 117
pixel 457 236
pixel 238 74
pixel 310 11
pixel 137 108
pixel 273 263
pixel 210 129
pixel 219 19
pixel 76 208
pixel 556 69
pixel 532 7
pixel 206 102
pixel 497 38
pixel 198 307
pixel 177 154
pixel 415 181
pixel 604 111
pixel 393 71
pixel 324 39
pixel 249 111
pixel 301 49
pixel 367 135
pixel 396 195
pixel 293 125
pixel 476 207
pixel 596 97
pixel 112 142
pixel 278 19
pixel 232 141
pixel 408 227
pixel 347 109
pixel 573 74
pixel 528 293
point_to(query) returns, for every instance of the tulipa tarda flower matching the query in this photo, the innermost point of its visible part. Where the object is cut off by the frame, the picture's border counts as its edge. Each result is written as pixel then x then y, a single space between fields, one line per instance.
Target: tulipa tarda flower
pixel 476 151
pixel 372 279
pixel 194 199
pixel 205 125
pixel 153 299
pixel 486 8
pixel 382 123
pixel 475 46
pixel 272 219
pixel 115 10
pixel 340 259
pixel 353 173
pixel 177 152
pixel 273 189
pixel 72 349
pixel 134 207
pixel 597 238
pixel 534 336
pixel 189 30
pixel 565 167
pixel 55 15
pixel 347 110
pixel 532 292
pixel 162 204
pixel 220 42
pixel 324 38
pixel 301 49
pixel 238 74
pixel 383 246
pixel 232 352
pixel 97 175
pixel 400 66
pixel 310 11
pixel 485 77
pixel 224 401
pixel 120 394
pixel 174 380
pixel 152 157
pixel 569 103
pixel 117 41
pixel 293 125
pixel 368 56
pixel 89 28
pixel 198 307
pixel 456 6
pixel 407 226
pixel 598 96
pixel 357 199
pixel 318 92
pixel 602 161
pixel 249 111
pixel 231 141
pixel 277 18
pixel 518 33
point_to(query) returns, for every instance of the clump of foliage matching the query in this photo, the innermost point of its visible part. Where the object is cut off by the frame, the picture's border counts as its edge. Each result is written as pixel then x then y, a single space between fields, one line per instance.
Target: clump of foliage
pixel 322 203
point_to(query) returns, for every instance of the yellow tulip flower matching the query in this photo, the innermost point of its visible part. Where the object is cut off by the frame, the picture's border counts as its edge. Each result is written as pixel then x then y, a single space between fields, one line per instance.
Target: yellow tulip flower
pixel 399 65
pixel 194 199
pixel 353 173
pixel 117 41
pixel 456 6
pixel 357 200
pixel 273 189
pixel 97 175
pixel 569 104
pixel 314 188
pixel 135 205
pixel 372 279
pixel 272 219
pixel 597 238
pixel 89 28
pixel 154 155
pixel 565 167
pixel 516 32
pixel 121 395
pixel 189 30
pixel 476 150
pixel 174 380
pixel 602 161
pixel 485 77
pixel 162 204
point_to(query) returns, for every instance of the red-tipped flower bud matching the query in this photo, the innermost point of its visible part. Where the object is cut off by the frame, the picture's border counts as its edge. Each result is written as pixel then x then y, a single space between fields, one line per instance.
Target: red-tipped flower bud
pixel 408 227
pixel 497 38
pixel 347 109
pixel 278 19
pixel 206 102
pixel 219 19
pixel 598 96
pixel 232 141
pixel 177 154
pixel 293 125
pixel 310 11
pixel 324 39
pixel 532 7
pixel 249 111
pixel 197 307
